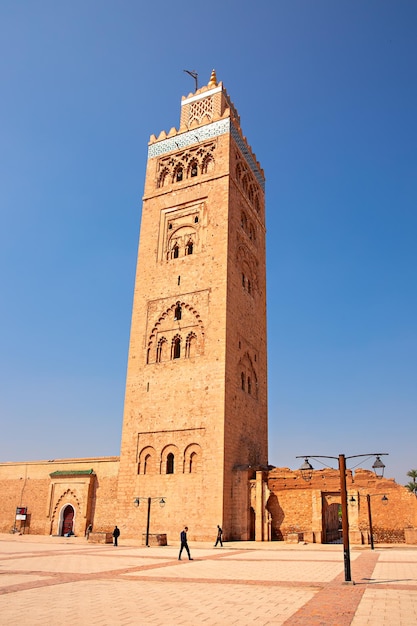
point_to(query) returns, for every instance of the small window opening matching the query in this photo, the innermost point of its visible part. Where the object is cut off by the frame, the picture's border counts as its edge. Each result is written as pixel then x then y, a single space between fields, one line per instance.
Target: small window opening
pixel 243 280
pixel 192 463
pixel 176 252
pixel 196 219
pixel 188 344
pixel 178 312
pixel 179 279
pixel 189 248
pixel 169 226
pixel 242 381
pixel 179 175
pixel 159 350
pixel 194 170
pixel 146 463
pixel 170 463
pixel 249 385
pixel 177 348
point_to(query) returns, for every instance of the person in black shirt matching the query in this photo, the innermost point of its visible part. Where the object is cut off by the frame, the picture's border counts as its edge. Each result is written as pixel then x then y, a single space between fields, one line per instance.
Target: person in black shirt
pixel 116 535
pixel 184 544
pixel 219 537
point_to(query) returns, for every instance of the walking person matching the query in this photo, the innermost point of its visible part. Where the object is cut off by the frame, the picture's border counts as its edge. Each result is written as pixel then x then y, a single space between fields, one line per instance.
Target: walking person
pixel 116 535
pixel 219 537
pixel 184 544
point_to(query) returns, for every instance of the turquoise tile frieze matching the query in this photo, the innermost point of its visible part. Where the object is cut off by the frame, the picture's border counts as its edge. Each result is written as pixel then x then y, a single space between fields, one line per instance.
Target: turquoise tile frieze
pixel 215 129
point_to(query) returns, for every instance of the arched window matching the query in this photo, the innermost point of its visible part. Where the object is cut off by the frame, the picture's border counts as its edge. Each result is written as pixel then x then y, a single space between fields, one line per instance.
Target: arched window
pixel 188 345
pixel 179 174
pixel 178 312
pixel 162 178
pixel 189 248
pixel 208 165
pixel 242 381
pixel 175 251
pixel 161 350
pixel 249 286
pixel 196 219
pixel 193 460
pixel 170 463
pixel 146 463
pixel 245 183
pixel 194 169
pixel 176 348
pixel 243 280
pixel 249 385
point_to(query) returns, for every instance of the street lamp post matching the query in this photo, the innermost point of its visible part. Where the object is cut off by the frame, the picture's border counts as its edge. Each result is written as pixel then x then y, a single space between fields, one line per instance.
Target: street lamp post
pixel 149 500
pixel 384 500
pixel 345 519
pixel 307 472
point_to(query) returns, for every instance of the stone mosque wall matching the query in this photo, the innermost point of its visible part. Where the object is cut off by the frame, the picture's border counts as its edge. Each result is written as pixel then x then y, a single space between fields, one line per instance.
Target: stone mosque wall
pixel 85 488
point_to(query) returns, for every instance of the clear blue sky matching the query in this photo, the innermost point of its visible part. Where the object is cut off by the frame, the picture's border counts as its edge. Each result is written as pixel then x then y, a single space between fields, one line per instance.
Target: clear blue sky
pixel 327 94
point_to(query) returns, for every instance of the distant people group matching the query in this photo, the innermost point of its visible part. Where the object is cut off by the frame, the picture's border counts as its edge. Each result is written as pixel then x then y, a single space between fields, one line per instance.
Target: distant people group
pixel 183 539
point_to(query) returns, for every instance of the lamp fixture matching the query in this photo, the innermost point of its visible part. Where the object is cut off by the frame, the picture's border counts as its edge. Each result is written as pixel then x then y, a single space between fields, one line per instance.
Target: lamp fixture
pixel 378 467
pixel 306 470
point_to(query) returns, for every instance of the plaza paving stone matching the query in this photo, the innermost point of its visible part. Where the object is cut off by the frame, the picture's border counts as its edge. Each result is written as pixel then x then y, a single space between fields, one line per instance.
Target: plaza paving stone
pixel 52 580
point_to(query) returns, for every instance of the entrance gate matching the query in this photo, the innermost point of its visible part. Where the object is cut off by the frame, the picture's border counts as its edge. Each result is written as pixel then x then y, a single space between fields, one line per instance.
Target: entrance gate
pixel 67 520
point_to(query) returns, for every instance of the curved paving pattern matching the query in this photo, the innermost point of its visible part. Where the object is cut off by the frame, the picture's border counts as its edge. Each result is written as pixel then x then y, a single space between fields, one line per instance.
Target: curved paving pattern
pixel 51 580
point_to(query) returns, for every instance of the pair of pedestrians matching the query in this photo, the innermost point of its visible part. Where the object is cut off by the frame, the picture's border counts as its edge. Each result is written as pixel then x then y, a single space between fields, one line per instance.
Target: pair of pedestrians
pixel 184 541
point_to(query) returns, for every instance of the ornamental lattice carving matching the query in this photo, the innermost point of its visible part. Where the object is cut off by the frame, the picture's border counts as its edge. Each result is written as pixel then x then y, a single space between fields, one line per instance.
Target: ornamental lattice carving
pixel 186 165
pixel 201 110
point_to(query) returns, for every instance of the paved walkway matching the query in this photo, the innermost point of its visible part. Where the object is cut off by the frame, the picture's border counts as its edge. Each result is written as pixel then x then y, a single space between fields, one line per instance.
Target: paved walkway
pixel 52 580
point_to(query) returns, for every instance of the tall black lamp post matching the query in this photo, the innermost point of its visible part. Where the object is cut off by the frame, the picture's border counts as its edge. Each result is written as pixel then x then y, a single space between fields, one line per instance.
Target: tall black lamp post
pixel 307 473
pixel 149 500
pixel 384 500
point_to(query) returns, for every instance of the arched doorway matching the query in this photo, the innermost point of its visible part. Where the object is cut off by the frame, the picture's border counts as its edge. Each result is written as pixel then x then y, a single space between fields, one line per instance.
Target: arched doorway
pixel 252 524
pixel 67 525
pixel 332 524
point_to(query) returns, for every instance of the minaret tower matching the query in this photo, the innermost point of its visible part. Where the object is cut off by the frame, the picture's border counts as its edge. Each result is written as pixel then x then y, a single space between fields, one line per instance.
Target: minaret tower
pixel 195 416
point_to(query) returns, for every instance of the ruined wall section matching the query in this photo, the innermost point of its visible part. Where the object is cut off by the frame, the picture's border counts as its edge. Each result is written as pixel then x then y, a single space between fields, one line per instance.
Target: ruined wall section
pixel 297 506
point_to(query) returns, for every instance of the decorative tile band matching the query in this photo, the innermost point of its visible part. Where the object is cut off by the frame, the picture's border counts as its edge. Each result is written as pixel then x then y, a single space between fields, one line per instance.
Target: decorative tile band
pixel 249 158
pixel 215 129
pixel 187 139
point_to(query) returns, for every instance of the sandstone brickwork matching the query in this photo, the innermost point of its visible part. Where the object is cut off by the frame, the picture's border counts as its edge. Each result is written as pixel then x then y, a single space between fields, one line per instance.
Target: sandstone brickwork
pixel 195 407
pixel 47 488
pixel 311 509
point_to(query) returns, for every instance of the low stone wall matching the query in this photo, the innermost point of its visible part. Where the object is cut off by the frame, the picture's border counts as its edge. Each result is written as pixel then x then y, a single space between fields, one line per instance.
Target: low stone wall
pixel 155 540
pixel 100 538
pixel 294 537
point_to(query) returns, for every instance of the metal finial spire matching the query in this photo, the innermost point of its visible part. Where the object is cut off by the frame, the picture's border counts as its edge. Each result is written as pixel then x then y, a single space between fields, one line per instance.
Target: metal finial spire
pixel 194 75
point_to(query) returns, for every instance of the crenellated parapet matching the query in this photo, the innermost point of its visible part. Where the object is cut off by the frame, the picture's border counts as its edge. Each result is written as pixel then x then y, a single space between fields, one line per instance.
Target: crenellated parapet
pixel 206 114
